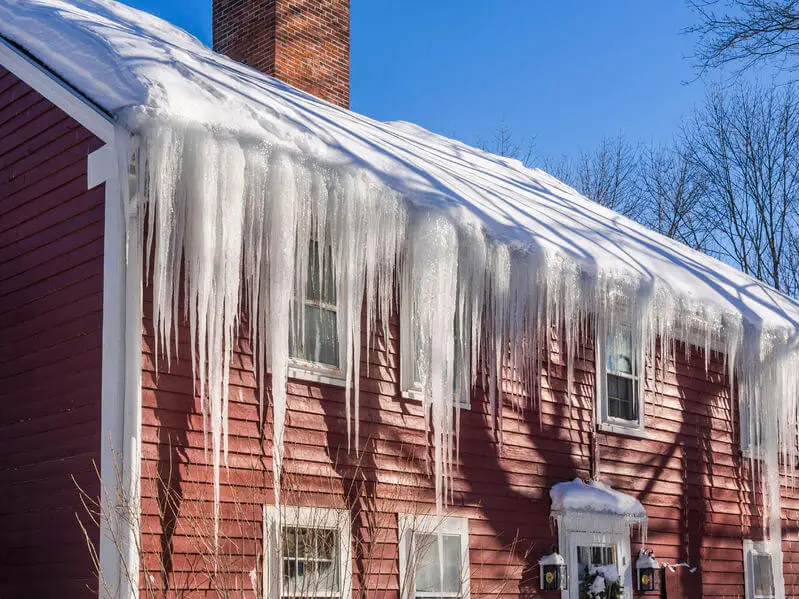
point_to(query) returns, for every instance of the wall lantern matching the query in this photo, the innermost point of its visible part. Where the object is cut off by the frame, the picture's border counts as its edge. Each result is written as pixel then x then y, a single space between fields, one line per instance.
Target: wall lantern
pixel 648 572
pixel 553 572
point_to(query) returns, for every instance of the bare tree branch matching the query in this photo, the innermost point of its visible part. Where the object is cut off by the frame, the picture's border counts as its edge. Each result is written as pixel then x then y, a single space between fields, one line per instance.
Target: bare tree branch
pixel 504 143
pixel 744 147
pixel 606 175
pixel 746 32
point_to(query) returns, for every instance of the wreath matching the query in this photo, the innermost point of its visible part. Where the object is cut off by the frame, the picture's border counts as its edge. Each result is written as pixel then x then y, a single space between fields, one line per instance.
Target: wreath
pixel 601 582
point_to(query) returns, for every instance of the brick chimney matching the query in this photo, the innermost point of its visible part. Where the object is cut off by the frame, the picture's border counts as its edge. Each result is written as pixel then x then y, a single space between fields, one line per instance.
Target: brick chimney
pixel 305 43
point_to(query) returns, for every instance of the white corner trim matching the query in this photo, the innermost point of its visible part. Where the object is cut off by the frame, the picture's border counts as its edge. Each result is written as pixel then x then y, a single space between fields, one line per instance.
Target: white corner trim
pixel 121 335
pixel 120 443
pixel 101 168
pixel 57 91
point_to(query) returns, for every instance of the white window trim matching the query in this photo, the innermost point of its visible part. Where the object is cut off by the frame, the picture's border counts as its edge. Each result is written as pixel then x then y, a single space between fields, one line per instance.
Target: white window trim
pixel 319 517
pixel 604 421
pixel 410 389
pixel 430 524
pixel 318 372
pixel 744 434
pixel 761 548
pixel 315 372
pixel 603 529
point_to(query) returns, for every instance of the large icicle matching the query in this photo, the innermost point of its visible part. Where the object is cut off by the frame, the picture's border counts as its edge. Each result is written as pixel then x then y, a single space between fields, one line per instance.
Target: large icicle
pixel 227 219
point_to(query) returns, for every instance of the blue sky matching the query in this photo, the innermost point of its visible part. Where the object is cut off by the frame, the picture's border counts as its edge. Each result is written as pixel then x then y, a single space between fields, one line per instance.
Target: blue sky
pixel 566 72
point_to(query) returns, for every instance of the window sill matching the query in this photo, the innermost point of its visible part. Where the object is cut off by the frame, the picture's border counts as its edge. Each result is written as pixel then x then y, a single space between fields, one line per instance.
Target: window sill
pixel 749 454
pixel 417 396
pixel 623 430
pixel 316 373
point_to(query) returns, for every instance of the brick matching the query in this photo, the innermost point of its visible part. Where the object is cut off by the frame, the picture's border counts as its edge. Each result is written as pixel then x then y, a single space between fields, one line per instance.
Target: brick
pixel 305 43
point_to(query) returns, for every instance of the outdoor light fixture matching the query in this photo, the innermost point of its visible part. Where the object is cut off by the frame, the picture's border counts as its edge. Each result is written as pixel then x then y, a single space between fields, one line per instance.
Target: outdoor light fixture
pixel 553 572
pixel 648 572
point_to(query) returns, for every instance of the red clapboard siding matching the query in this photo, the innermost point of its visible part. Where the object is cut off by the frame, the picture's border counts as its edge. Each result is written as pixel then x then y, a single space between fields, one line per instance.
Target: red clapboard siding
pixel 51 282
pixel 688 472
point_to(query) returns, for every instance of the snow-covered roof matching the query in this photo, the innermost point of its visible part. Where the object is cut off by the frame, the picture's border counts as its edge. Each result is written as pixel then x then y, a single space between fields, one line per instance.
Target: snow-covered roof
pixel 594 497
pixel 238 173
pixel 130 62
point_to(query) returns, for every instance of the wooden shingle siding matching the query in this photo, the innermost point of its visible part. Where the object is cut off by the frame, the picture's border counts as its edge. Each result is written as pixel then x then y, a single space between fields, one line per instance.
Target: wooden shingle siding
pixel 51 280
pixel 687 472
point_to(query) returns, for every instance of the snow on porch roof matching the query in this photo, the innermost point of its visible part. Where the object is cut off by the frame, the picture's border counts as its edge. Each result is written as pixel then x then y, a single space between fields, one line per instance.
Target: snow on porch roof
pixel 137 66
pixel 593 497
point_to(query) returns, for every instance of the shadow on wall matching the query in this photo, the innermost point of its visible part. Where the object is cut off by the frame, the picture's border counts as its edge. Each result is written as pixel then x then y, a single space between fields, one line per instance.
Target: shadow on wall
pixel 505 492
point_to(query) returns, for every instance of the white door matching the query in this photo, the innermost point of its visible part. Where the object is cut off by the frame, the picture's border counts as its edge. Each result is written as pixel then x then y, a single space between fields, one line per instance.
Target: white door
pixel 588 549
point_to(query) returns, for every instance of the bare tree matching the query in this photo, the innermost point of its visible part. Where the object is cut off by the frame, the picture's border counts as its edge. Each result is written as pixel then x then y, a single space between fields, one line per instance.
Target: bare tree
pixel 744 147
pixel 606 175
pixel 673 193
pixel 504 143
pixel 746 32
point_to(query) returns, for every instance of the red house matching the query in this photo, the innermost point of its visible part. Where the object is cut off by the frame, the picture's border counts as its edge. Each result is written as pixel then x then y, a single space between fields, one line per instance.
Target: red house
pixel 257 345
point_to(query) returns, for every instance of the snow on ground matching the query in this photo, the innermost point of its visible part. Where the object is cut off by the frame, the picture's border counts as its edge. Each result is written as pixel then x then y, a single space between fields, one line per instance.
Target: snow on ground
pixel 238 173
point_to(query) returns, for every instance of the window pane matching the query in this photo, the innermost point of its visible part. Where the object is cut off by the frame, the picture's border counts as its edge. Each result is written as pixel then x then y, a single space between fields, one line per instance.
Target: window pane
pixel 428 573
pixel 598 555
pixel 326 544
pixel 318 289
pixel 620 352
pixel 764 577
pixel 452 563
pixel 327 576
pixel 289 541
pixel 458 369
pixel 319 339
pixel 621 398
pixel 305 547
pixel 310 562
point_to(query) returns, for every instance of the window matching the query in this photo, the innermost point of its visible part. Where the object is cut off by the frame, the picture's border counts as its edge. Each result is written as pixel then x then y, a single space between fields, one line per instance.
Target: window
pixel 759 566
pixel 434 556
pixel 308 553
pixel 750 432
pixel 313 337
pixel 409 364
pixel 618 385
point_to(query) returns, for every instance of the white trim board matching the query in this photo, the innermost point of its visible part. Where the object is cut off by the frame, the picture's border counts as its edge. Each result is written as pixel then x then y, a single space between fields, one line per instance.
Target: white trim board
pixel 57 91
pixel 120 418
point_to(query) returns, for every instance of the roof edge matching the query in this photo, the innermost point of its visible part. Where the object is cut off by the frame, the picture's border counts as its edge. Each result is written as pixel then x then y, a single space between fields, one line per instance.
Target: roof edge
pixel 68 98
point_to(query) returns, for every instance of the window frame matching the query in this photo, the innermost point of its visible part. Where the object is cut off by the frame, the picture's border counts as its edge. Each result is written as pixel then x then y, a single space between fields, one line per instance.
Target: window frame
pixel 318 372
pixel 431 524
pixel 410 389
pixel 750 549
pixel 304 517
pixel 589 528
pixel 745 432
pixel 606 422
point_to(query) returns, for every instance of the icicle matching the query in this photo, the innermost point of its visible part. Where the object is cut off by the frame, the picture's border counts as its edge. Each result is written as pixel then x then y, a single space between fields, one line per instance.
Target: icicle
pixel 432 261
pixel 229 226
